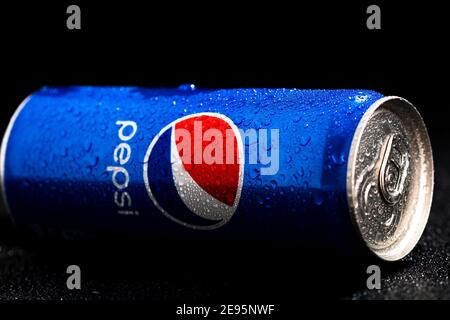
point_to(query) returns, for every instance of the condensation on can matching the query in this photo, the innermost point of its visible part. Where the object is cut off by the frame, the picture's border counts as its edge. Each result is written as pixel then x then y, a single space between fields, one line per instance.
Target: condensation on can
pixel 355 167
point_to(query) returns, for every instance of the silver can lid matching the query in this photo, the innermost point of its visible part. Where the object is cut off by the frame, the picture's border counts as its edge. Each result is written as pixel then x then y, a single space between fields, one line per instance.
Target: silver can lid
pixel 390 177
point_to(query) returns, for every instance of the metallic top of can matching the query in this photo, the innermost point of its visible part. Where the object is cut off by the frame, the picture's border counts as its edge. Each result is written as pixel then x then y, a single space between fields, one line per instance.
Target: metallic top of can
pixel 390 177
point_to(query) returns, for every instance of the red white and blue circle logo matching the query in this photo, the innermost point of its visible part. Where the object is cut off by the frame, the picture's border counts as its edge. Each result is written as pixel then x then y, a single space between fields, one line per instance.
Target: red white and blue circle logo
pixel 193 170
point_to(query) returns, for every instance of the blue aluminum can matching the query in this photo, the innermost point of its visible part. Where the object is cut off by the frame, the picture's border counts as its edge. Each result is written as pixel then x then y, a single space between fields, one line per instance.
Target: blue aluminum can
pixel 324 168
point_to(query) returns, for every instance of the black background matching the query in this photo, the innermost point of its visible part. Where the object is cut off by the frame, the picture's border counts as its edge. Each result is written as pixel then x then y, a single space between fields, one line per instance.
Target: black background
pixel 228 44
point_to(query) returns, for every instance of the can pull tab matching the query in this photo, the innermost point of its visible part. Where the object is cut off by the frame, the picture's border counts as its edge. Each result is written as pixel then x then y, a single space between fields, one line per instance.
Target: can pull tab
pixel 393 171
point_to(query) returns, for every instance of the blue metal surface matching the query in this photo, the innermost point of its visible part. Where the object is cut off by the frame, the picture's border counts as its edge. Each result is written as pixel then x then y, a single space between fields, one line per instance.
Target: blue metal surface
pixel 63 140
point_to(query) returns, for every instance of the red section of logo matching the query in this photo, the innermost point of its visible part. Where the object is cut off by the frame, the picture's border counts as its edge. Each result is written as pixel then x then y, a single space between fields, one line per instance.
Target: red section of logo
pixel 213 162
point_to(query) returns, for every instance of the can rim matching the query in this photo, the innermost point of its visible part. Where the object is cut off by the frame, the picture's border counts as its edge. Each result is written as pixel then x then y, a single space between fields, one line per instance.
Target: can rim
pixel 414 221
pixel 4 145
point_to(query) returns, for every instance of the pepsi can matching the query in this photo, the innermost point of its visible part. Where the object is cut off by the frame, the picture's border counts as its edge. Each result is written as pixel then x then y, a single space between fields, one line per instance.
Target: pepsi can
pixel 322 168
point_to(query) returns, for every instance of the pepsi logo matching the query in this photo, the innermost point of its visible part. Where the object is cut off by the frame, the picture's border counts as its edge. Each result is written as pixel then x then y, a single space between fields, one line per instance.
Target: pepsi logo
pixel 193 170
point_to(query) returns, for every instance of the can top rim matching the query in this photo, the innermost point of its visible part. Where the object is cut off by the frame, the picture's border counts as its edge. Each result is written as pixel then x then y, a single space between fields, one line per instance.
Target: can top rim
pixel 390 177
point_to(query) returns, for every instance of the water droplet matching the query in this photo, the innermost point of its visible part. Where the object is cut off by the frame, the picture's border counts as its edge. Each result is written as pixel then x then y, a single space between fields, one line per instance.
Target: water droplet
pixel 93 161
pixel 338 159
pixel 238 121
pixel 318 198
pixel 304 140
pixel 88 146
pixel 273 184
pixel 349 110
pixel 254 173
pixel 187 87
pixel 361 98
